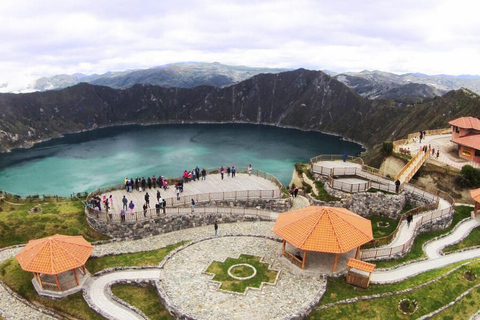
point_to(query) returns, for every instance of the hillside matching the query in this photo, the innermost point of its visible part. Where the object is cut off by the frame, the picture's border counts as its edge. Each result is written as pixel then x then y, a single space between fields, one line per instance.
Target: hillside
pixel 309 100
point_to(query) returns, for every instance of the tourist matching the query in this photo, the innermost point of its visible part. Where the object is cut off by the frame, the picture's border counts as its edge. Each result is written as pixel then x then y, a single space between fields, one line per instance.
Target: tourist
pixel 433 152
pixel 295 192
pixel 438 153
pixel 216 228
pixel 345 156
pixel 137 183
pixel 222 172
pixel 409 219
pixel 126 183
pixel 157 208
pixel 234 170
pixel 160 200
pixel 228 171
pixel 249 169
pixel 164 205
pixel 185 176
pixel 149 183
pixel 397 186
pixel 165 185
pixel 154 182
pixel 110 199
pixel 197 172
pixel 147 199
pixel 144 184
pixel 158 196
pixel 131 206
pixel 145 209
pixel 125 202
pixel 110 216
pixel 194 176
pixel 204 174
pixel 193 205
pixel 122 215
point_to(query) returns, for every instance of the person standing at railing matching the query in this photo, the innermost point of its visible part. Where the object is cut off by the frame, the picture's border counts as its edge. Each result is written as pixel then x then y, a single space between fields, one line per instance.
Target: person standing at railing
pixel 204 174
pixel 234 170
pixel 249 169
pixel 222 172
pixel 193 205
pixel 122 215
pixel 164 205
pixel 228 171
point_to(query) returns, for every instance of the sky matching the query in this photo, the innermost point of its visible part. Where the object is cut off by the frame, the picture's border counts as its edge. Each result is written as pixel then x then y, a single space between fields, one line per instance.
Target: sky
pixel 45 38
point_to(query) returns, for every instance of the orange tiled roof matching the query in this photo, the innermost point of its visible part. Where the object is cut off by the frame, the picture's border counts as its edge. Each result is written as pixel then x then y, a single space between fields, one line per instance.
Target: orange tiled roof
pixel 466 123
pixel 472 141
pixel 475 194
pixel 324 229
pixel 360 265
pixel 54 255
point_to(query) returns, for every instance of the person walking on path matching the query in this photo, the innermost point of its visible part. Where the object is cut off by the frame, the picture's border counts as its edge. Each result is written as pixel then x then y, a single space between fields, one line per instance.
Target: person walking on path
pixel 409 219
pixel 147 199
pixel 216 228
pixel 125 203
pixel 193 205
pixel 249 169
pixel 131 206
pixel 295 192
pixel 145 209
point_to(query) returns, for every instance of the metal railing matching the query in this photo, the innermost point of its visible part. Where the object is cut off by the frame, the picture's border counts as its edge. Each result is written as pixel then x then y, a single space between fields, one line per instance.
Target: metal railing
pixel 153 213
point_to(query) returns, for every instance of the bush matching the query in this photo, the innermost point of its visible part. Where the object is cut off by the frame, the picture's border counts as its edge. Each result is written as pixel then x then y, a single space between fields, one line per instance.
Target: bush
pixel 387 148
pixel 469 177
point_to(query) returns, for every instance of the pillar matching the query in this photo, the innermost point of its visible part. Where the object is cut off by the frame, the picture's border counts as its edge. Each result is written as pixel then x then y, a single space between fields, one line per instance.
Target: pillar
pixel 335 262
pixel 304 258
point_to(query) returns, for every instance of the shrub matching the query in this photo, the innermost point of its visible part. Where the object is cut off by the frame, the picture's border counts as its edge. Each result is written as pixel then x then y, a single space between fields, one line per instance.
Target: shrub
pixel 387 148
pixel 469 177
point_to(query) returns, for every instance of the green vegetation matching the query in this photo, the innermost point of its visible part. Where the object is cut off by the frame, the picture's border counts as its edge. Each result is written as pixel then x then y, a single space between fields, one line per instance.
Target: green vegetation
pixel 144 299
pixel 380 231
pixel 19 281
pixel 323 194
pixel 387 148
pixel 143 258
pixel 461 212
pixel 472 240
pixel 373 190
pixel 220 270
pixel 18 225
pixel 407 207
pixel 469 177
pixel 430 298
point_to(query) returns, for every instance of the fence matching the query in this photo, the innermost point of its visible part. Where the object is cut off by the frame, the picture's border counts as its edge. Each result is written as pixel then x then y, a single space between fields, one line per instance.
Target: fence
pixel 431 132
pixel 174 211
pixel 390 252
pixel 413 165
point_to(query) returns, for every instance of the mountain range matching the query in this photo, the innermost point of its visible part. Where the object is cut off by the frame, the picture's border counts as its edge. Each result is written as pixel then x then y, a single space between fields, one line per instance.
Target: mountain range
pixel 304 99
pixel 408 88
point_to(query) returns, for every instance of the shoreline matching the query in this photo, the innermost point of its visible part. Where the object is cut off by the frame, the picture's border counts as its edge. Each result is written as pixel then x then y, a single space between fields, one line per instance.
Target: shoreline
pixel 32 143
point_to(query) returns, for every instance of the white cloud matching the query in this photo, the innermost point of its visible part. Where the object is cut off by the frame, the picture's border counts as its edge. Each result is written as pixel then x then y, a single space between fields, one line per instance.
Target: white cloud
pixel 54 37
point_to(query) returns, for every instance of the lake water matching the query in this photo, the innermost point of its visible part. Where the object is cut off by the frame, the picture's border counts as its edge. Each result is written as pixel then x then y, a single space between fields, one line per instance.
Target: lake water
pixel 88 160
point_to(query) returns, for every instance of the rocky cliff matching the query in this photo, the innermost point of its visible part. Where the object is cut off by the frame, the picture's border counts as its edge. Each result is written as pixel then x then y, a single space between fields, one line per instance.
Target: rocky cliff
pixel 304 99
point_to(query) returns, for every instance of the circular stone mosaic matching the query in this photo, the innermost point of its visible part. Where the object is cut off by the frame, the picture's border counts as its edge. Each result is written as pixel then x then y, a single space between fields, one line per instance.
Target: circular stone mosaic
pixel 185 285
pixel 242 266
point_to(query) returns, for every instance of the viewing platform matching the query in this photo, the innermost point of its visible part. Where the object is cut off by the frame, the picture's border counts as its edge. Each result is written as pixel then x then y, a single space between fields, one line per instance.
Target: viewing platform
pixel 258 185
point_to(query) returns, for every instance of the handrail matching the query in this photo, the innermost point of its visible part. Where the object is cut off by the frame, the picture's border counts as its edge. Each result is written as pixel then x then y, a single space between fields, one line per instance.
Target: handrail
pixel 172 212
pixel 255 172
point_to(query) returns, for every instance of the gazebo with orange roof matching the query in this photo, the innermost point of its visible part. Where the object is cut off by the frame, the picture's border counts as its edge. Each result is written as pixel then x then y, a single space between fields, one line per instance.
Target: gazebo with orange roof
pixel 53 256
pixel 476 196
pixel 323 229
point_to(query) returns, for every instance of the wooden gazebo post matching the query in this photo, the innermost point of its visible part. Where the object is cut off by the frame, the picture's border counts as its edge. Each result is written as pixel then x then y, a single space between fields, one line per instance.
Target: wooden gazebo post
pixel 476 196
pixel 357 253
pixel 335 262
pixel 58 283
pixel 304 258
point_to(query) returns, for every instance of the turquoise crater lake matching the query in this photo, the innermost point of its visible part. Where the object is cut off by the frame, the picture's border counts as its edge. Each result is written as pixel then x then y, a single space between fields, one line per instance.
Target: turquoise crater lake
pixel 88 160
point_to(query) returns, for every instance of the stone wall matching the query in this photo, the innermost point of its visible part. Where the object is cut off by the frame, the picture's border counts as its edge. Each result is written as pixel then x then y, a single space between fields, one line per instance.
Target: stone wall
pixel 173 222
pixel 167 223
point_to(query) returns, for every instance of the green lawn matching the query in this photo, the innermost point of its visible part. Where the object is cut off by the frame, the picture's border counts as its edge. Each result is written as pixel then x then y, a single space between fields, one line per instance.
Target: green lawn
pixel 220 270
pixel 430 297
pixel 144 258
pixel 416 252
pixel 144 299
pixel 378 231
pixel 18 225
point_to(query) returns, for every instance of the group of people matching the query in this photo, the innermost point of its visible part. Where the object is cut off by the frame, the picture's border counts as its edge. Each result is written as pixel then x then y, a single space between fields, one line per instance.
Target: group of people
pixel 194 174
pixel 233 171
pixel 142 184
pixel 427 149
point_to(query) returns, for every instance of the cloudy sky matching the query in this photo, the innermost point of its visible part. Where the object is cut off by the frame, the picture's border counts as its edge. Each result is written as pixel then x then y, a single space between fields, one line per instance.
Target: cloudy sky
pixel 43 38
